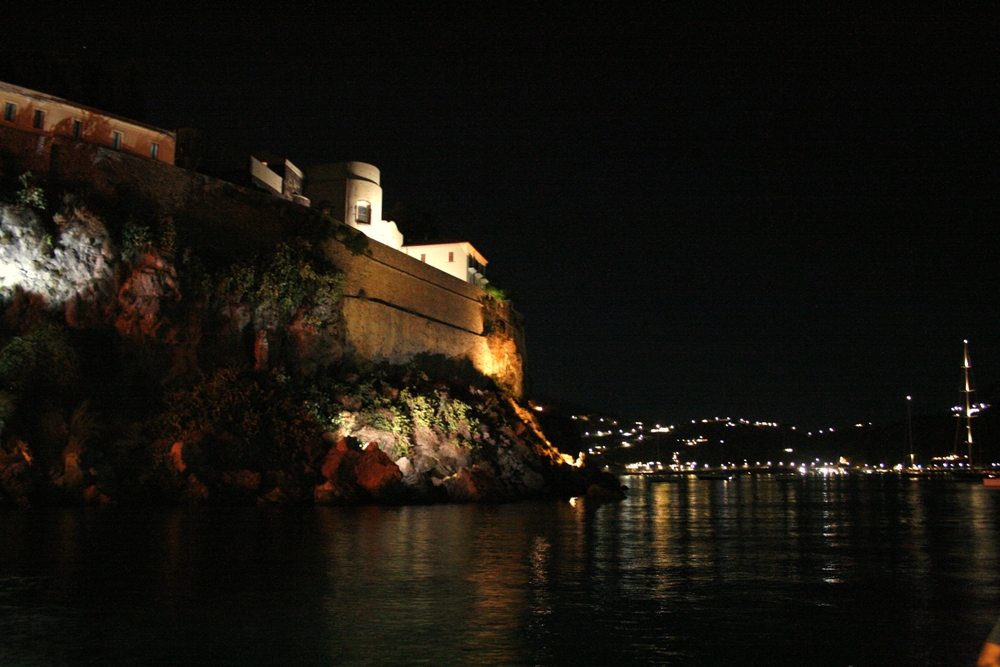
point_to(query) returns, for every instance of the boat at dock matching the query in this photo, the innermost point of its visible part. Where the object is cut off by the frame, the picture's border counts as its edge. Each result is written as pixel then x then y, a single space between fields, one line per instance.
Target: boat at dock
pixel 714 475
pixel 912 471
pixel 666 476
pixel 965 414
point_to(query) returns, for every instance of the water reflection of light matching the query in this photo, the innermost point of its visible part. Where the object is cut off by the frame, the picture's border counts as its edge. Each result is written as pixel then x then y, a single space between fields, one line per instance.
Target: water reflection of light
pixel 395 566
pixel 982 524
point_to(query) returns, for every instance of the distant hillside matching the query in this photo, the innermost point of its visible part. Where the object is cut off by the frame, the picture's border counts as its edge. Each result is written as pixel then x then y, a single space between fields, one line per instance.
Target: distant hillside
pixel 615 441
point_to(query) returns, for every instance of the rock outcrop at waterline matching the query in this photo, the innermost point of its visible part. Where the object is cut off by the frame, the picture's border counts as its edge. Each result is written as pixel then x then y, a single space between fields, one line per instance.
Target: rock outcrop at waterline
pixel 132 370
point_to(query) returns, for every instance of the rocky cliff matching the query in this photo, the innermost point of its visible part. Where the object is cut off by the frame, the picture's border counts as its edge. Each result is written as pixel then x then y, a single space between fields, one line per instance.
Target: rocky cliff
pixel 139 365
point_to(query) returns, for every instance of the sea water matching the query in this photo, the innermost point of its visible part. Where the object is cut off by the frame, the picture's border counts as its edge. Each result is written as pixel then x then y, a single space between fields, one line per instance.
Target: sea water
pixel 878 570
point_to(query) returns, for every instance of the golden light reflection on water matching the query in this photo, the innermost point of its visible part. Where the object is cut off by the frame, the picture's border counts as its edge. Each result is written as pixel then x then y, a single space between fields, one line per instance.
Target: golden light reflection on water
pixel 645 581
pixel 437 576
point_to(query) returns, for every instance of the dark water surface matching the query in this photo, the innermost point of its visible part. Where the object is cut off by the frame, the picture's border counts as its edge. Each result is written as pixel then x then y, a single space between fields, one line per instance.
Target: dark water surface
pixel 871 571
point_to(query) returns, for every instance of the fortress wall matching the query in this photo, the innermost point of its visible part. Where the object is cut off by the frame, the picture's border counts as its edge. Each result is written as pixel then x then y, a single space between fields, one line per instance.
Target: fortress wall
pixel 395 306
pixel 386 275
pixel 383 333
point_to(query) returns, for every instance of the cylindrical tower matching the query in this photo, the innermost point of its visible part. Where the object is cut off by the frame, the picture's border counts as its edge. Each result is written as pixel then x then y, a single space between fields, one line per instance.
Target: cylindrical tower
pixel 353 194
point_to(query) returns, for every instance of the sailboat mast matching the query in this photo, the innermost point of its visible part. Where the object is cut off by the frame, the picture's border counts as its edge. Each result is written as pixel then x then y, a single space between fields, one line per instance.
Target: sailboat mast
pixel 909 429
pixel 968 400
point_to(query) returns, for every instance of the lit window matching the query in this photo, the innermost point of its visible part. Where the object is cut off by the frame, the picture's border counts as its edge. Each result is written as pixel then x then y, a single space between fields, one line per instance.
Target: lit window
pixel 451 257
pixel 154 150
pixel 364 214
pixel 9 111
pixel 423 257
pixel 77 129
pixel 39 122
pixel 116 140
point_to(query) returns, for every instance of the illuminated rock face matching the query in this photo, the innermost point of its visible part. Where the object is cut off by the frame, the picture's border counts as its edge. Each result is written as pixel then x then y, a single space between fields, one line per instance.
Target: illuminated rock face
pixel 74 262
pixel 150 287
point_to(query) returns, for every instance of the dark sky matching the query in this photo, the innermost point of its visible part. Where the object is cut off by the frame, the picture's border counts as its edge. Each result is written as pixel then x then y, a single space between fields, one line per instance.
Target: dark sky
pixel 764 216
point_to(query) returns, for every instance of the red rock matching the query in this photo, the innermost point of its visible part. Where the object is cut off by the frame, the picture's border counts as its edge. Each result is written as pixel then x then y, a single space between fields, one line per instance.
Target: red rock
pixel 339 463
pixel 195 492
pixel 177 457
pixel 245 479
pixel 474 485
pixel 376 473
pixel 331 493
pixel 273 497
pixel 72 477
pixel 17 481
pixel 260 350
pixel 92 496
pixel 150 284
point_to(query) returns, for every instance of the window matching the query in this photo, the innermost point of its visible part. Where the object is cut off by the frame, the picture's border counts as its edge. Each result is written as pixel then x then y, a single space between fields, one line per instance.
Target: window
pixel 77 128
pixel 39 122
pixel 116 140
pixel 423 257
pixel 154 150
pixel 451 257
pixel 9 111
pixel 364 214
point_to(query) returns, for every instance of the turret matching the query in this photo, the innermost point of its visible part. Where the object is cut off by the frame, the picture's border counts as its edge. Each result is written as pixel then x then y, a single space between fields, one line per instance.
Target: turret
pixel 351 192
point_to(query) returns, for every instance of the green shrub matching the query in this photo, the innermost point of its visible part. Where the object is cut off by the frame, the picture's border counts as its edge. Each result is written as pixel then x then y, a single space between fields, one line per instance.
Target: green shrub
pixel 293 276
pixel 495 292
pixel 250 420
pixel 377 404
pixel 135 238
pixel 166 233
pixel 30 195
pixel 41 357
pixel 354 241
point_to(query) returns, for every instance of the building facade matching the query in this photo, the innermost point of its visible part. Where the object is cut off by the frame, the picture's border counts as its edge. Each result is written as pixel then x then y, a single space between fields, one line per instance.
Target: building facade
pixel 45 115
pixel 456 258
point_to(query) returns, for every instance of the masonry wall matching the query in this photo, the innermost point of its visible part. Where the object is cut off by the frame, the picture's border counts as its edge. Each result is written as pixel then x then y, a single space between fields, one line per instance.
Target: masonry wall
pixel 395 306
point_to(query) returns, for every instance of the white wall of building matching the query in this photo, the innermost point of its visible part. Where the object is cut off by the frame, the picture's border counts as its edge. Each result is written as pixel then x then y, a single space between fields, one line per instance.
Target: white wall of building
pixel 451 257
pixel 263 177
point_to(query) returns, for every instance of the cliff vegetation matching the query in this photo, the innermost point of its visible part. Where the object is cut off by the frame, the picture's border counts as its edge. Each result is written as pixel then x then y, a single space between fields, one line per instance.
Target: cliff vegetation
pixel 141 362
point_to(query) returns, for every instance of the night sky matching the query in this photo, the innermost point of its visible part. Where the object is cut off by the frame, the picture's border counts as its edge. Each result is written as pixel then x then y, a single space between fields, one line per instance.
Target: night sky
pixel 772 217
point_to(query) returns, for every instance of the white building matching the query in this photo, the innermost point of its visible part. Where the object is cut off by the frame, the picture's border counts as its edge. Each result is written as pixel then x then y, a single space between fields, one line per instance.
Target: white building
pixel 457 258
pixel 352 193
